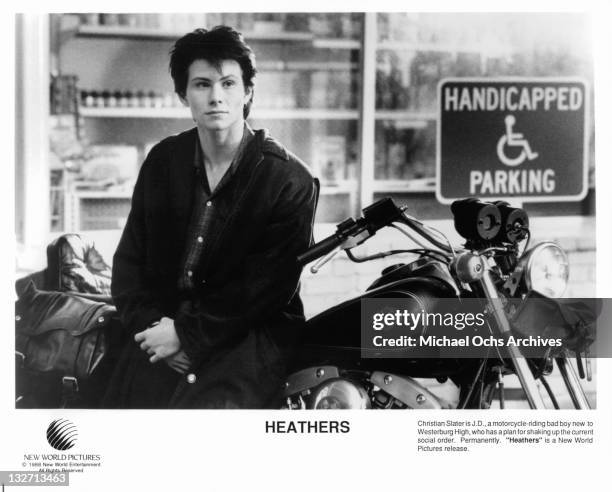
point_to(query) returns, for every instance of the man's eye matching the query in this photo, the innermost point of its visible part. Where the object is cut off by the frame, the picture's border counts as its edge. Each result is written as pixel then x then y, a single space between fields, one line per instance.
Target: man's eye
pixel 202 84
pixel 229 83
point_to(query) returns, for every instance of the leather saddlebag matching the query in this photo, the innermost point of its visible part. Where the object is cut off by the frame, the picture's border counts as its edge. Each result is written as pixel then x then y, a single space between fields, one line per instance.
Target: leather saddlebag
pixel 60 341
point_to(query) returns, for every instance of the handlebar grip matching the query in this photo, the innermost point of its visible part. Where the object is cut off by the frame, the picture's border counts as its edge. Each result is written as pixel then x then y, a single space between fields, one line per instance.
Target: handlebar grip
pixel 320 249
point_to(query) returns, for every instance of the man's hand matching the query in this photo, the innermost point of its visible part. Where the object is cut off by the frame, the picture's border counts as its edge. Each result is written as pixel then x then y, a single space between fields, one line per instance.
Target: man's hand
pixel 179 362
pixel 159 341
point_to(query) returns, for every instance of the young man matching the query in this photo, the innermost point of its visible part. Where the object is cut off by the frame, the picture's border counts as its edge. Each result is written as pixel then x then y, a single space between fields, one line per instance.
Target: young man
pixel 205 274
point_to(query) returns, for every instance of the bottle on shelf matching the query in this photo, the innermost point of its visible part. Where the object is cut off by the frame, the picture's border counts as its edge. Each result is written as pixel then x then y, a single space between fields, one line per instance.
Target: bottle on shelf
pixel 128 20
pixel 90 19
pixel 118 95
pixel 100 99
pixel 296 22
pixel 156 99
pixel 111 100
pixel 109 19
pixel 267 23
pixel 133 101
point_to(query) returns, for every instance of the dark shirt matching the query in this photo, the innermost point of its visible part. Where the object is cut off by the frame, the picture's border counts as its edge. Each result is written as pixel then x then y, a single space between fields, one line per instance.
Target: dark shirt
pixel 198 234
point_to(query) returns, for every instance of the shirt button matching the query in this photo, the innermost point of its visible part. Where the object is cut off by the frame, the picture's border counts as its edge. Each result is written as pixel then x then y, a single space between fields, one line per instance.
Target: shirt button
pixel 209 204
pixel 191 378
pixel 200 239
pixel 203 281
pixel 189 273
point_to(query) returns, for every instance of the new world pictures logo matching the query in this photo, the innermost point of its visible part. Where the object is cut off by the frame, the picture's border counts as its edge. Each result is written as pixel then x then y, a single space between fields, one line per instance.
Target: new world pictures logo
pixel 62 434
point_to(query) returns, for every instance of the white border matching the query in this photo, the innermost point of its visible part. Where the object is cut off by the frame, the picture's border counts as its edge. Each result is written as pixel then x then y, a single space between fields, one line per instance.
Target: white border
pixel 228 450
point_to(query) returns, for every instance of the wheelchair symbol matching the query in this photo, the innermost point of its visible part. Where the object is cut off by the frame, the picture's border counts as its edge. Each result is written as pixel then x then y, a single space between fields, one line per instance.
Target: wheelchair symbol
pixel 511 139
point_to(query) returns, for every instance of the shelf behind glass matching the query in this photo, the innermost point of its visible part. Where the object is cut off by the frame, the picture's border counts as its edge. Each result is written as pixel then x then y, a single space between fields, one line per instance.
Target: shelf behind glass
pixel 406 186
pixel 127 32
pixel 431 47
pixel 183 113
pixel 155 33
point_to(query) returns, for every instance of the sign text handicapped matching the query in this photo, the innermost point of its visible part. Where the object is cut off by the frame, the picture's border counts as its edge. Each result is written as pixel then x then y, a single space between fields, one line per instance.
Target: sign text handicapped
pixel 523 139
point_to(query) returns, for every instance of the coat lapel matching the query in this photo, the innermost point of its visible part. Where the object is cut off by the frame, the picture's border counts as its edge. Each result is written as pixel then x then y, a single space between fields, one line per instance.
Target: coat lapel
pixel 232 195
pixel 181 180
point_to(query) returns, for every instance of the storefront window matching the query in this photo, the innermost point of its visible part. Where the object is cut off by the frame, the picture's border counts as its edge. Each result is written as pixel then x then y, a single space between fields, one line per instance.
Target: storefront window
pixel 415 51
pixel 309 93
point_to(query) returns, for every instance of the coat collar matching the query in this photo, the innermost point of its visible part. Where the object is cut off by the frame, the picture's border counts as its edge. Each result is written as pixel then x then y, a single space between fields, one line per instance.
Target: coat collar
pixel 181 172
pixel 271 146
pixel 261 145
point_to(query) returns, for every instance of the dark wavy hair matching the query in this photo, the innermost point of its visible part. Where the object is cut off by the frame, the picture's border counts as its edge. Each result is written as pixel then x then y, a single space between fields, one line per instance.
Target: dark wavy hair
pixel 214 45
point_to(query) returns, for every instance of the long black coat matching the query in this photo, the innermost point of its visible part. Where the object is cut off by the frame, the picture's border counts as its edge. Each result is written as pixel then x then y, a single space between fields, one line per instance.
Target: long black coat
pixel 239 323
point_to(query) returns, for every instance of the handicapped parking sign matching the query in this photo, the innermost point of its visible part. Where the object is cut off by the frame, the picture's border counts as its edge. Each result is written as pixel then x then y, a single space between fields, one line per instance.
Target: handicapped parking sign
pixel 520 139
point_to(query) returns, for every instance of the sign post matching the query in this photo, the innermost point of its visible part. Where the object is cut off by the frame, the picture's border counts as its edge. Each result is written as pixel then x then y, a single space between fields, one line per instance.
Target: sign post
pixel 512 139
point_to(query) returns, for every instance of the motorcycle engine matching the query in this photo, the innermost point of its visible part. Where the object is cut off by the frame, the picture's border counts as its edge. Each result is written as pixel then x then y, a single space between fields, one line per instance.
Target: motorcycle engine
pixel 340 394
pixel 326 388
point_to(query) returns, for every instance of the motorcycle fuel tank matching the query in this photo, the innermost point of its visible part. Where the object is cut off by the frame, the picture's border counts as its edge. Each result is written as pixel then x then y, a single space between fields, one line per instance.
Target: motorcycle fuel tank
pixel 334 336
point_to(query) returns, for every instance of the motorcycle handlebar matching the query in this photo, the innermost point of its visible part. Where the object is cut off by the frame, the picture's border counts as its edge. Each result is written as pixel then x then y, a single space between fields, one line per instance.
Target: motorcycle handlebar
pixel 378 215
pixel 320 249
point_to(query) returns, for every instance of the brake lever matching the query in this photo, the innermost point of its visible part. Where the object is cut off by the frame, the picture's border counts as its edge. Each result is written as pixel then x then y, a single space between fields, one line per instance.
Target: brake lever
pixel 323 260
pixel 348 243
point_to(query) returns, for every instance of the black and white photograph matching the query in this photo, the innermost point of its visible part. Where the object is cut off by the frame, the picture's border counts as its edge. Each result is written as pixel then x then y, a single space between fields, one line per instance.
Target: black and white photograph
pixel 224 222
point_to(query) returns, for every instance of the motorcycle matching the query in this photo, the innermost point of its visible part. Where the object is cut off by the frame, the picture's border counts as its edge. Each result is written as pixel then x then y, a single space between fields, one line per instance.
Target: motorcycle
pixel 495 265
pixel 69 364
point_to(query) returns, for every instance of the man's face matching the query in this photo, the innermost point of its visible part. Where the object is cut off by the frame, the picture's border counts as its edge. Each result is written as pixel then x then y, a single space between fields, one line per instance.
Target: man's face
pixel 216 97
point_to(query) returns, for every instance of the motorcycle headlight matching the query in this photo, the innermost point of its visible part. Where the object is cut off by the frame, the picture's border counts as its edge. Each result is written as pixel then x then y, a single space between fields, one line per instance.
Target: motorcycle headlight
pixel 547 270
pixel 340 394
